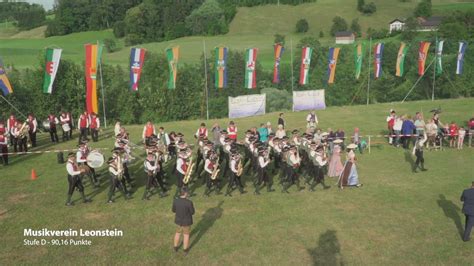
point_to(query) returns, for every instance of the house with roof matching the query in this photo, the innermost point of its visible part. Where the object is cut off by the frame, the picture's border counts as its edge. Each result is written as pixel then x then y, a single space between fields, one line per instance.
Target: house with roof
pixel 396 25
pixel 429 24
pixel 344 37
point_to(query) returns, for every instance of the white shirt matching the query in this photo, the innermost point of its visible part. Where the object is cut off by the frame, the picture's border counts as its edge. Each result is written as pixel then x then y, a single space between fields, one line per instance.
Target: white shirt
pixel 79 157
pixel 70 168
pixel 64 119
pixel 309 118
pixel 198 132
pixel 293 159
pixel 262 162
pixel 150 167
pixel 5 141
pixel 280 133
pixel 35 124
pixel 233 166
pixel 117 129
pixel 113 171
pixel 207 165
pixel 179 164
pixel 319 160
pixel 398 124
pixel 166 139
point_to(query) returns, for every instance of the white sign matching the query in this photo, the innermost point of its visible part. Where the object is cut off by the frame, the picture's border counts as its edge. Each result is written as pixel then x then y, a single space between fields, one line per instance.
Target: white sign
pixel 247 105
pixel 308 100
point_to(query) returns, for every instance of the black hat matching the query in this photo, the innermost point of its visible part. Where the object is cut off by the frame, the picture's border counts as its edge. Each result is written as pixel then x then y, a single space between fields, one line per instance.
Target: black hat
pixel 296 131
pixel 71 154
pixel 285 138
pixel 285 149
pixel 224 131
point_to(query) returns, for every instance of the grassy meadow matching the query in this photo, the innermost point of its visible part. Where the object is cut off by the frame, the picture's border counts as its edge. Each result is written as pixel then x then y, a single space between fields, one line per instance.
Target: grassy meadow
pixel 396 218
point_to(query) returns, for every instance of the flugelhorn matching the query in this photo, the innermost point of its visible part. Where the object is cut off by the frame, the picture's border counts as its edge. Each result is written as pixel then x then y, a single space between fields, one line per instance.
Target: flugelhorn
pixel 189 171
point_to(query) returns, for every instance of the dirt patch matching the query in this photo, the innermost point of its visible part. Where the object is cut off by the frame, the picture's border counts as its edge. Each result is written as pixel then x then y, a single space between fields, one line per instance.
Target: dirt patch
pixel 17 198
pixel 94 216
pixel 3 213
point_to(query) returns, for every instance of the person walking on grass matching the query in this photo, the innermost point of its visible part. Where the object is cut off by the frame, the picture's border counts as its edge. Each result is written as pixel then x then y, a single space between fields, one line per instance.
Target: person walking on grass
pixel 468 209
pixel 184 211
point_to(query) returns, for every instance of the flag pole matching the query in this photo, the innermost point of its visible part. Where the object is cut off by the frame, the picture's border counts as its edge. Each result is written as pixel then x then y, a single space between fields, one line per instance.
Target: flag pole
pixel 292 75
pixel 434 69
pixel 418 80
pixel 102 89
pixel 205 79
pixel 368 69
pixel 5 99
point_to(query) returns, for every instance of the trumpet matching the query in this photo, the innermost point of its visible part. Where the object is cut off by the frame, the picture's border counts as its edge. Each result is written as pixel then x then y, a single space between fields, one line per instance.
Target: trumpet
pixel 189 171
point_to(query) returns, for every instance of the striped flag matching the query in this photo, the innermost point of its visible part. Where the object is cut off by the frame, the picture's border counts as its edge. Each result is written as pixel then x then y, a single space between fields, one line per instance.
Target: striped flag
pixel 221 70
pixel 305 64
pixel 137 57
pixel 378 52
pixel 172 54
pixel 93 54
pixel 333 55
pixel 460 59
pixel 402 53
pixel 279 49
pixel 250 74
pixel 358 53
pixel 422 54
pixel 5 85
pixel 439 53
pixel 53 56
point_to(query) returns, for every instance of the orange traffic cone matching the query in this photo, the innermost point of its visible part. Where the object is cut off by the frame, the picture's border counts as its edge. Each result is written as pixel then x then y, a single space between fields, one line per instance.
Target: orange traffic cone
pixel 33 174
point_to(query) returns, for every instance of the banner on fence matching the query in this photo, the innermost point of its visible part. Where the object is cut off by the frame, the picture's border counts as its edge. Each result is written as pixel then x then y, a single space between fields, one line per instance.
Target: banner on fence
pixel 247 105
pixel 308 100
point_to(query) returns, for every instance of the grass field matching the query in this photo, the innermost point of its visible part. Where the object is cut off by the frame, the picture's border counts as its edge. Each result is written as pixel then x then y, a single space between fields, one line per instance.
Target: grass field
pixel 251 27
pixel 396 218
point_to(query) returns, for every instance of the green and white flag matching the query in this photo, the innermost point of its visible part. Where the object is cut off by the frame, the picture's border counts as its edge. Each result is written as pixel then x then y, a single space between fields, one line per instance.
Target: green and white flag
pixel 52 63
pixel 439 53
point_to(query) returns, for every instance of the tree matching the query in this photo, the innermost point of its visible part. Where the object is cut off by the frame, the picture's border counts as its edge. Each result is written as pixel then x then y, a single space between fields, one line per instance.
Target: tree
pixel 370 8
pixel 360 5
pixel 423 9
pixel 409 30
pixel 279 39
pixel 302 26
pixel 355 27
pixel 338 24
pixel 208 19
pixel 119 29
pixel 321 34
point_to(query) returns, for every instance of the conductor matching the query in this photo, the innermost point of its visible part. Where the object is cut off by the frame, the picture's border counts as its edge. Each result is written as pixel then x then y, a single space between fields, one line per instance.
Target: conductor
pixel 468 209
pixel 184 210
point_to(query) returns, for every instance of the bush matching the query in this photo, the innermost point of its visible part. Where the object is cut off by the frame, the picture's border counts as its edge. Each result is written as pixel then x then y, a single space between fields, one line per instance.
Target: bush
pixel 110 45
pixel 302 26
pixel 370 8
pixel 279 39
pixel 321 34
pixel 423 9
pixel 277 100
pixel 119 29
pixel 377 34
pixel 54 28
pixel 133 39
pixel 338 24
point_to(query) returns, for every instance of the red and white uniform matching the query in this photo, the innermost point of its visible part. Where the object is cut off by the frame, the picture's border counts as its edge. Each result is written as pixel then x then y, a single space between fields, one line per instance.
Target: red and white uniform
pixel 182 165
pixel 84 121
pixel 3 140
pixel 72 168
pixel 2 128
pixel 64 118
pixel 95 122
pixel 81 155
pixel 53 121
pixel 11 122
pixel 148 130
pixel 232 132
pixel 209 166
pixel 32 124
pixel 201 132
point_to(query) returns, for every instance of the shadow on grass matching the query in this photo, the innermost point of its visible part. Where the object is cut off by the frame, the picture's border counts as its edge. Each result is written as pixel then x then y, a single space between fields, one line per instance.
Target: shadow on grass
pixel 207 221
pixel 328 251
pixel 451 211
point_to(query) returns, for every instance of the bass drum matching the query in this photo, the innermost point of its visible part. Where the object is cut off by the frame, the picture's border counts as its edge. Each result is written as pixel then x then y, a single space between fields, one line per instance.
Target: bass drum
pixel 66 127
pixel 95 159
pixel 46 125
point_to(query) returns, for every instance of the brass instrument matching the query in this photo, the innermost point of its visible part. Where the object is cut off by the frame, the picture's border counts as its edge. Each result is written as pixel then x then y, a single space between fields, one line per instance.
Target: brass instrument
pixel 119 169
pixel 23 130
pixel 215 173
pixel 240 168
pixel 189 171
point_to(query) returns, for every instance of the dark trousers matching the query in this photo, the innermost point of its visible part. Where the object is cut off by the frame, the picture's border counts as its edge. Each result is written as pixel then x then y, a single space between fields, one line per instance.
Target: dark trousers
pixel 20 144
pixel 83 134
pixel 263 178
pixel 4 150
pixel 406 142
pixel 32 138
pixel 70 131
pixel 211 183
pixel 234 179
pixel 66 135
pixel 14 143
pixel 419 159
pixel 468 228
pixel 74 182
pixel 115 183
pixel 95 134
pixel 53 133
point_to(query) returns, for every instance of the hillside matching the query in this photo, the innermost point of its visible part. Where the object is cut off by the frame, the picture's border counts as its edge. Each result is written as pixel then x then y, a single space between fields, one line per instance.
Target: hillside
pixel 251 27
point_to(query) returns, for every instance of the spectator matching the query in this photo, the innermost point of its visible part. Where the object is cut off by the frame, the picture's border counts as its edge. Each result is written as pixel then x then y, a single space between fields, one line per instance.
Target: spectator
pixel 263 133
pixel 184 211
pixel 419 124
pixel 280 133
pixel 431 132
pixel 216 134
pixel 281 121
pixel 397 128
pixel 461 134
pixel 453 132
pixel 390 123
pixel 312 120
pixel 408 129
pixel 269 128
pixel 471 130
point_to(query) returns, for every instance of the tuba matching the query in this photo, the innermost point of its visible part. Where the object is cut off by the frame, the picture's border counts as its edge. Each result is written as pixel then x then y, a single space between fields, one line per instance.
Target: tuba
pixel 23 130
pixel 189 171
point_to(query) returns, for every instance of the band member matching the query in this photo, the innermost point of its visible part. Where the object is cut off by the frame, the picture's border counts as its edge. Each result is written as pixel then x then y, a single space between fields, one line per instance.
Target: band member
pixel 263 161
pixel 64 119
pixel 94 126
pixel 116 174
pixel 81 158
pixel 349 176
pixel 3 130
pixel 151 169
pixel 235 174
pixel 117 128
pixel 20 135
pixel 163 137
pixel 232 131
pixel 32 127
pixel 53 132
pixel 148 131
pixel 11 123
pixel 312 120
pixel 418 152
pixel 182 165
pixel 319 162
pixel 293 163
pixel 200 155
pixel 201 132
pixel 4 148
pixel 74 179
pixel 84 123
pixel 123 151
pixel 211 165
pixel 71 123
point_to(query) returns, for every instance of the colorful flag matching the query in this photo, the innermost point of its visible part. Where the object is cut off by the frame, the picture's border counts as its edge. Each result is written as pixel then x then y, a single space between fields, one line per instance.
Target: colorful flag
pixel 422 54
pixel 333 55
pixel 378 52
pixel 250 74
pixel 5 85
pixel 93 54
pixel 439 53
pixel 460 60
pixel 221 69
pixel 279 49
pixel 173 55
pixel 305 64
pixel 53 56
pixel 402 53
pixel 358 53
pixel 137 57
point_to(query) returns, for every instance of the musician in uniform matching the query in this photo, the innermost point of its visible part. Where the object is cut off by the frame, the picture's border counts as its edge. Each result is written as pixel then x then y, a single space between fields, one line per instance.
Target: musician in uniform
pixel 312 120
pixel 71 123
pixel 95 126
pixel 123 151
pixel 32 127
pixel 263 177
pixel 319 161
pixel 11 123
pixel 3 130
pixel 74 179
pixel 4 147
pixel 201 132
pixel 182 165
pixel 20 135
pixel 151 169
pixel 235 174
pixel 64 119
pixel 148 131
pixel 53 132
pixel 418 152
pixel 116 174
pixel 232 131
pixel 293 163
pixel 211 166
pixel 81 158
pixel 84 123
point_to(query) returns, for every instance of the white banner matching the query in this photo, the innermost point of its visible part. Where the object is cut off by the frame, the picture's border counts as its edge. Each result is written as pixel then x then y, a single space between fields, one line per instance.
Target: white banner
pixel 247 105
pixel 308 100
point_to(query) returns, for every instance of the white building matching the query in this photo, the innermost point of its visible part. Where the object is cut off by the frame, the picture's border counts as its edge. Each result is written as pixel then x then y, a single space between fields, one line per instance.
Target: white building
pixel 344 37
pixel 396 25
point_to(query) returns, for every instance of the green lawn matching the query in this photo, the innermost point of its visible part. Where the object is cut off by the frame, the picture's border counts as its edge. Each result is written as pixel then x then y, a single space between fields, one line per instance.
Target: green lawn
pixel 396 218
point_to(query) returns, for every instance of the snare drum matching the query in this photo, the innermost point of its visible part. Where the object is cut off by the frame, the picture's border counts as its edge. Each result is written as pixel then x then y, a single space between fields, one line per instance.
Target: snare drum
pixel 46 125
pixel 66 127
pixel 95 159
